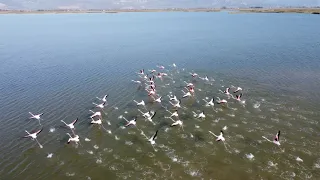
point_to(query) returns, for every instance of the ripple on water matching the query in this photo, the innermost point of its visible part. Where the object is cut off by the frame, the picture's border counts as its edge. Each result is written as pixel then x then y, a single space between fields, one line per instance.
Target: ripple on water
pixel 256 105
pixel 150 154
pixel 109 150
pixel 129 143
pixel 90 152
pixel 116 167
pixel 227 161
pixel 137 167
pixel 272 164
pixel 317 164
pixel 131 132
pixel 115 156
pixel 138 149
pixel 287 175
pixel 116 138
pixel 99 161
pixel 193 172
pixel 69 174
pixel 125 175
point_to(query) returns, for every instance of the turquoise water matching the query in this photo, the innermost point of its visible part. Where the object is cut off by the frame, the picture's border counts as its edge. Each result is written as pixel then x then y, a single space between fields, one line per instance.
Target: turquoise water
pixel 58 63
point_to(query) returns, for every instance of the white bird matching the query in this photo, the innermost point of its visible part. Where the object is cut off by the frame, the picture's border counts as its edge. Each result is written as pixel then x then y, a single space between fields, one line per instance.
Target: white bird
pixel 150 118
pixel 202 115
pixel 138 82
pixel 299 159
pixel 98 113
pixel 33 136
pixel 225 128
pixel 191 90
pixel 140 103
pixel 131 122
pixel 151 80
pixel 50 155
pixel 37 117
pixel 71 125
pixel 152 91
pixel 220 137
pixel 174 98
pixel 153 138
pixel 145 77
pixel 205 78
pixel 159 99
pixel 145 115
pixel 141 72
pixel 210 103
pixel 174 114
pixel 177 105
pixel 160 67
pixel 276 139
pixel 189 84
pixel 98 121
pixel 152 71
pixel 238 97
pixel 100 105
pixel 160 76
pixel 227 91
pixel 188 94
pixel 238 89
pixel 221 101
pixel 194 74
pixel 174 65
pixel 73 139
pixel 177 123
pixel 103 99
pixel 152 86
pixel 163 74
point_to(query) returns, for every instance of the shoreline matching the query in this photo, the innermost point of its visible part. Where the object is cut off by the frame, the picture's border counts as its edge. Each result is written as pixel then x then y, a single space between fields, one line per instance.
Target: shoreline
pixel 103 11
pixel 281 10
pixel 231 10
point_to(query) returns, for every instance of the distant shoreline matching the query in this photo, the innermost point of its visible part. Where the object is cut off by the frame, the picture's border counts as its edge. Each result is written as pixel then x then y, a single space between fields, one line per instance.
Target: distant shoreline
pixel 232 10
pixel 281 10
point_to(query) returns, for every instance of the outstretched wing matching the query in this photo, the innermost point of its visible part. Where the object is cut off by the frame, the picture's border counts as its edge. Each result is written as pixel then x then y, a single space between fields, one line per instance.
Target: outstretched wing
pixel 155 135
pixel 277 136
pixel 153 115
pixel 73 122
pixel 37 132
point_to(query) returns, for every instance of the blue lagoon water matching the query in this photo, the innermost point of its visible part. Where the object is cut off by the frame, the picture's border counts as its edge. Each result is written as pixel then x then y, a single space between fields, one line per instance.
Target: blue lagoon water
pixel 57 64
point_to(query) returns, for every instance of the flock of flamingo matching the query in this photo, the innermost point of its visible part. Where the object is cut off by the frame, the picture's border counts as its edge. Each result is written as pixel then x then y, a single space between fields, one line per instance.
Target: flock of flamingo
pixel 147 80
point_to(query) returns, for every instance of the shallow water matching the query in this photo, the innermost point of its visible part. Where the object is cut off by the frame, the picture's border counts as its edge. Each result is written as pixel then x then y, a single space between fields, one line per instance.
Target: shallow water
pixel 58 64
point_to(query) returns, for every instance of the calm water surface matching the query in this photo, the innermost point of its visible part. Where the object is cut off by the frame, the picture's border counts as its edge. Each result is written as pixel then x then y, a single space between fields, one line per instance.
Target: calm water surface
pixel 58 64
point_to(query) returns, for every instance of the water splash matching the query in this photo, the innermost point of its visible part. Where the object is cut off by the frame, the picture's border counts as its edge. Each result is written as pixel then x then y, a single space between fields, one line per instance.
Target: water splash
pixel 50 155
pixel 250 156
pixel 52 130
